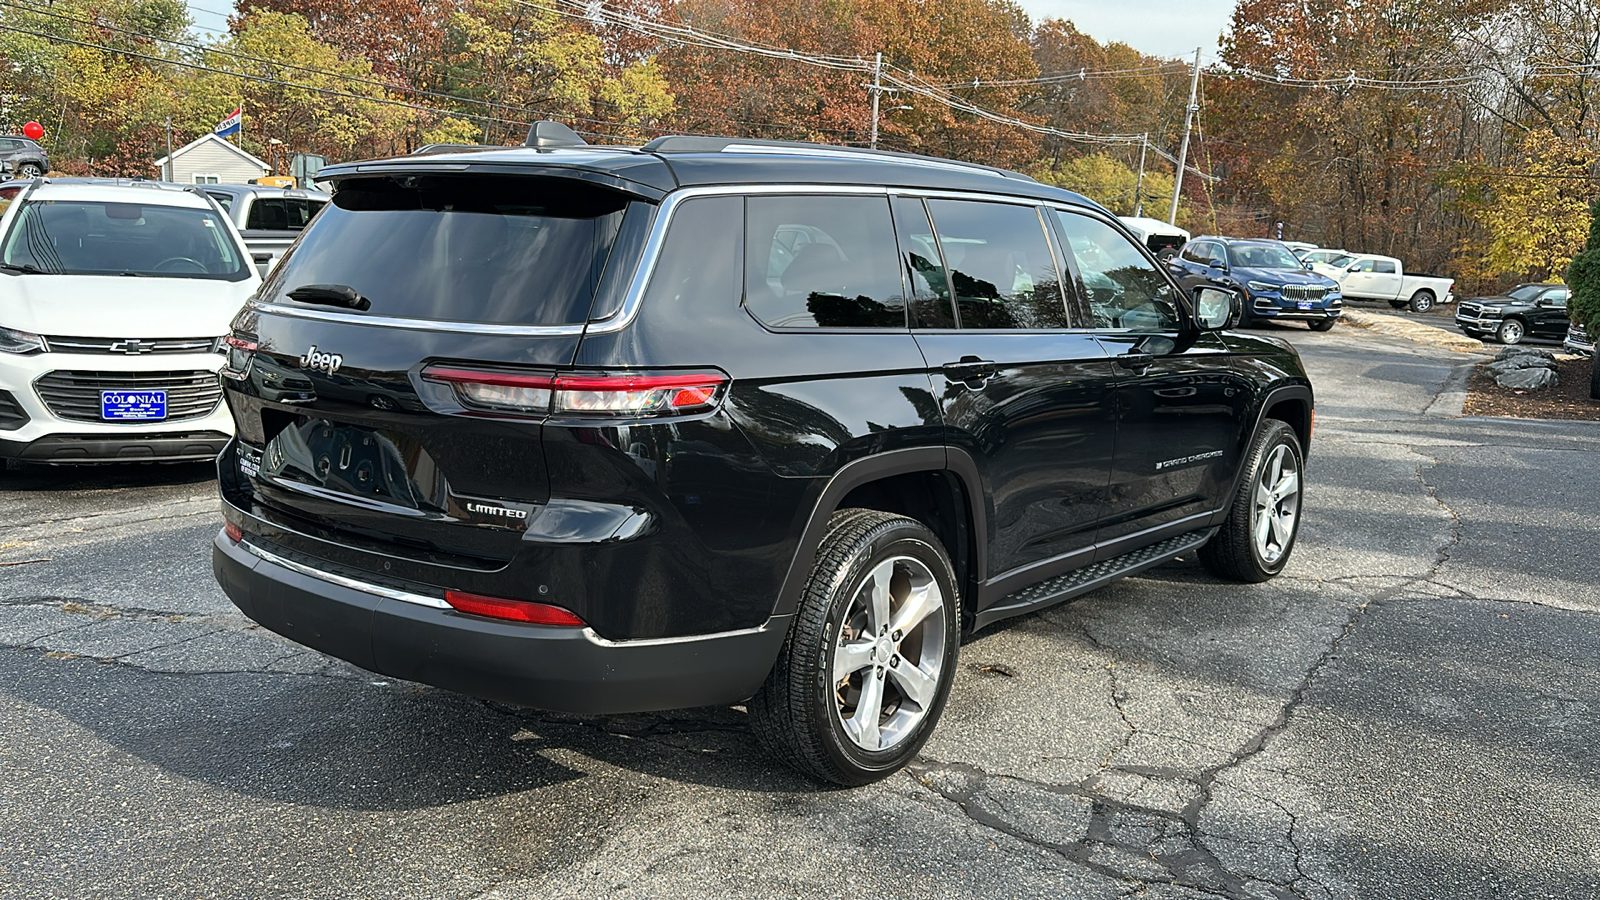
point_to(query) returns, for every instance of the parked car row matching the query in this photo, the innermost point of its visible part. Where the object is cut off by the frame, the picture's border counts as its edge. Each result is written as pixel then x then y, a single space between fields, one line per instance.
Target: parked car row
pixel 1273 284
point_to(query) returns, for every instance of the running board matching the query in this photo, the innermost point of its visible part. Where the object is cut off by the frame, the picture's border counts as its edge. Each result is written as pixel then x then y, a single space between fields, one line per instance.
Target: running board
pixel 1081 581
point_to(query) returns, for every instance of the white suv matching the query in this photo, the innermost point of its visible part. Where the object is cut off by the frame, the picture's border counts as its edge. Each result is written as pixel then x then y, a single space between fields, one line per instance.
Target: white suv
pixel 114 300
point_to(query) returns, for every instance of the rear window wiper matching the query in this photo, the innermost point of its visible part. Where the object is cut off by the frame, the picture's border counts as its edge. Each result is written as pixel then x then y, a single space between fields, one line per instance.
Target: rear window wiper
pixel 331 295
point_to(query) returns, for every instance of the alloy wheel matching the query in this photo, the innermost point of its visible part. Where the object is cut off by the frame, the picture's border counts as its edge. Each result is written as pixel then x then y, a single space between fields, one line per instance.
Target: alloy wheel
pixel 1277 505
pixel 888 657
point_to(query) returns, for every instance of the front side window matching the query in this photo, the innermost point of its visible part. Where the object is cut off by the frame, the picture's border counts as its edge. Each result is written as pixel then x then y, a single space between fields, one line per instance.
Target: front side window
pixel 822 262
pixel 1557 298
pixel 1002 272
pixel 1366 265
pixel 224 200
pixel 57 237
pixel 1125 290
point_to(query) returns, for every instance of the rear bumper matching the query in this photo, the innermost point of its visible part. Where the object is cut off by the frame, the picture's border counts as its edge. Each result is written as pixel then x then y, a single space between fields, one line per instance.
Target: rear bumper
pixel 196 446
pixel 562 669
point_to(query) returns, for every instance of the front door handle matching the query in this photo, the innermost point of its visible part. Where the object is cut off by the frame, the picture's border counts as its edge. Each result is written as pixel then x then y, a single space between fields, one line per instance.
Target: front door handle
pixel 970 370
pixel 1136 360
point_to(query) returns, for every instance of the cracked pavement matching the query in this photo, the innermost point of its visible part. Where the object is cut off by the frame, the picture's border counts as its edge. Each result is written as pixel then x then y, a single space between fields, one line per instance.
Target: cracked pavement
pixel 1410 710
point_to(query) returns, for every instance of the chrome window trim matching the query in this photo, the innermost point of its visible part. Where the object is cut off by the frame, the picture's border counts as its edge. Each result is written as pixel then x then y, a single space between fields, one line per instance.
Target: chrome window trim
pixel 328 315
pixel 342 581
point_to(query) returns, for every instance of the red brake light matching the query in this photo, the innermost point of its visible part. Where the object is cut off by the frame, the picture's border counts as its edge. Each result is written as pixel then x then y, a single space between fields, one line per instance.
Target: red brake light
pixel 239 343
pixel 512 610
pixel 620 395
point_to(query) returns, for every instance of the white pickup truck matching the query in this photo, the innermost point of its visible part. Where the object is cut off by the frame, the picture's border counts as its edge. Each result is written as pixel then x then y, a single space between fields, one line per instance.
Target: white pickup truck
pixel 1366 276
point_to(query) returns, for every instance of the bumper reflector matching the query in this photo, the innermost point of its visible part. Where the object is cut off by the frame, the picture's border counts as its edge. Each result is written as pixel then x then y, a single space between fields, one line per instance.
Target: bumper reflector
pixel 512 610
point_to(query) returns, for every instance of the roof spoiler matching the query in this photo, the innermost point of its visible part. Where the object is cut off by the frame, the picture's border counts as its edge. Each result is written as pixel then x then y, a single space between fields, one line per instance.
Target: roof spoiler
pixel 546 134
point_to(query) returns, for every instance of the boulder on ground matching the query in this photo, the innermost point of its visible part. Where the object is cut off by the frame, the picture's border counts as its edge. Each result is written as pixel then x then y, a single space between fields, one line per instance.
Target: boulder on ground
pixel 1520 350
pixel 1515 363
pixel 1528 380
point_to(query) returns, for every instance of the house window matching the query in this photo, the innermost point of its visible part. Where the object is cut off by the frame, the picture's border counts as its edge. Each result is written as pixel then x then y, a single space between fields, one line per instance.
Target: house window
pixel 207 179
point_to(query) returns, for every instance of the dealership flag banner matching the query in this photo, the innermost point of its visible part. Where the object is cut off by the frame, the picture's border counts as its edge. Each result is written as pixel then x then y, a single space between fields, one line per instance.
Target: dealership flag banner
pixel 232 124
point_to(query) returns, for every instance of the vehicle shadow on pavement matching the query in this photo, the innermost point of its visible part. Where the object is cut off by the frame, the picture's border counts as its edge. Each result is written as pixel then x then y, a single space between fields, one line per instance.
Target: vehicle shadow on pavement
pixel 29 478
pixel 369 743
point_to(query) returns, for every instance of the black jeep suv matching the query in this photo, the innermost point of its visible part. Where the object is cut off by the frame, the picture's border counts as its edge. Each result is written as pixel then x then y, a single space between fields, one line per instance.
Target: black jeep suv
pixel 711 421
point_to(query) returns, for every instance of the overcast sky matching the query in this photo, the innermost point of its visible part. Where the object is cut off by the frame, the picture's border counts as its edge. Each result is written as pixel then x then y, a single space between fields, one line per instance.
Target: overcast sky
pixel 1160 28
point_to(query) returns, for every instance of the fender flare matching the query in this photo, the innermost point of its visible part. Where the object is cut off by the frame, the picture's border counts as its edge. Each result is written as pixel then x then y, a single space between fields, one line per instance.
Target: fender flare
pixel 874 468
pixel 1268 400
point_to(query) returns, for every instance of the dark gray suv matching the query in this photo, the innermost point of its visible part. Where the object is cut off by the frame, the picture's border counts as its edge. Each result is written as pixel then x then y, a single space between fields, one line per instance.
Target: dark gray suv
pixel 26 158
pixel 717 420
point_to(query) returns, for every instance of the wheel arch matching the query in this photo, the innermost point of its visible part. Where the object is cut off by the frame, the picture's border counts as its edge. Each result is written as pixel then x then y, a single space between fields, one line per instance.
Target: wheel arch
pixel 937 486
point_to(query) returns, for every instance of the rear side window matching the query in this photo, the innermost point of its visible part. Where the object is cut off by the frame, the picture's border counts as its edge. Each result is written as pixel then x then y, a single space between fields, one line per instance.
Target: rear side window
pixel 822 262
pixel 511 251
pixel 1002 272
pixel 1383 267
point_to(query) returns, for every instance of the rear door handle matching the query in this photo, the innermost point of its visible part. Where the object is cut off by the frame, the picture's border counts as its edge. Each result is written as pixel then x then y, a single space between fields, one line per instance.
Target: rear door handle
pixel 969 368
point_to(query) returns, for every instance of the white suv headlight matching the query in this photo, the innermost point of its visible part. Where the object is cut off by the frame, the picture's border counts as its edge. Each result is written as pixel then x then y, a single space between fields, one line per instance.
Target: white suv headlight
pixel 19 342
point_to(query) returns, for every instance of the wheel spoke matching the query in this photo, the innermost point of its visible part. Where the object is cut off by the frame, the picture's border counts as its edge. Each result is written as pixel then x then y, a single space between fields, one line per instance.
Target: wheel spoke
pixel 919 605
pixel 850 657
pixel 915 684
pixel 1289 484
pixel 864 724
pixel 878 608
pixel 1263 527
pixel 1280 528
pixel 1263 495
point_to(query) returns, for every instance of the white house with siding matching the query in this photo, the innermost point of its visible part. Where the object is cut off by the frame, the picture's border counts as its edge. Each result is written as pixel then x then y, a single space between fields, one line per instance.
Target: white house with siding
pixel 210 160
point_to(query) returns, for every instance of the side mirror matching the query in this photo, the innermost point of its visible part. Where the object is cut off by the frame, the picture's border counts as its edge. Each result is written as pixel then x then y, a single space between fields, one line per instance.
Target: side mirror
pixel 1307 264
pixel 1218 264
pixel 1214 307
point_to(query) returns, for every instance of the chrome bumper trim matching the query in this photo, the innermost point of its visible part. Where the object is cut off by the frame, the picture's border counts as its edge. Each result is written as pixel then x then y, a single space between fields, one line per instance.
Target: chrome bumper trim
pixel 342 581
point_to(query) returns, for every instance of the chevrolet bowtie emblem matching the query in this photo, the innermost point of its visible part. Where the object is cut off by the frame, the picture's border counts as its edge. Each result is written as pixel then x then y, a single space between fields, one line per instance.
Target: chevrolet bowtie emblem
pixel 132 346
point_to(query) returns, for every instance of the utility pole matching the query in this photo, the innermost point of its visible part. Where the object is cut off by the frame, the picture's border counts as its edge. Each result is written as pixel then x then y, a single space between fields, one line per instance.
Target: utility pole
pixel 877 88
pixel 167 175
pixel 1138 186
pixel 1183 149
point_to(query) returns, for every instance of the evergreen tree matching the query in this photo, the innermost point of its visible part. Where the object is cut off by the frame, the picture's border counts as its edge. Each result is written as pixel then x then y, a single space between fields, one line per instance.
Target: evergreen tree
pixel 1583 277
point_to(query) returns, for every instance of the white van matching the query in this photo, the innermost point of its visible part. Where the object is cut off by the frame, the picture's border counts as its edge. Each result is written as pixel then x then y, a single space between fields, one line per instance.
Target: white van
pixel 1162 239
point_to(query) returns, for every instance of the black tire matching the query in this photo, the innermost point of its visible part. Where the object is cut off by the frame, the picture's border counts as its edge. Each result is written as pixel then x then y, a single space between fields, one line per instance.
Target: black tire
pixel 1233 552
pixel 29 170
pixel 1511 331
pixel 799 712
pixel 1422 301
pixel 1321 324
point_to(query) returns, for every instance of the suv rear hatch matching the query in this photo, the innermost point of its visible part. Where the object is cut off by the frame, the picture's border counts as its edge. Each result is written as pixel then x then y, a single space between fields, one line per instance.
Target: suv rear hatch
pixel 348 433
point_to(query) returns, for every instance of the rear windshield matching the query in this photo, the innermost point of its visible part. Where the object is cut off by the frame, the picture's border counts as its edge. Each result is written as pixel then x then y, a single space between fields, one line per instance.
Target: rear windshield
pixel 511 251
pixel 57 237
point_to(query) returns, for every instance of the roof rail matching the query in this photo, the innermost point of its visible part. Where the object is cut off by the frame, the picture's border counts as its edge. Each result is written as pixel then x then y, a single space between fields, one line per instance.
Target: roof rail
pixel 451 148
pixel 696 143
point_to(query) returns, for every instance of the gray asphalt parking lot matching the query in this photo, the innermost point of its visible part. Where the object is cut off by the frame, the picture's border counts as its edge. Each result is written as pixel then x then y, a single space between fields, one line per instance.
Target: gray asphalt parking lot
pixel 1409 711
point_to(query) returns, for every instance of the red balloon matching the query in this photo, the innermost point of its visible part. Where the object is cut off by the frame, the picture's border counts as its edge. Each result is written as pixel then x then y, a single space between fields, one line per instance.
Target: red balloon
pixel 33 131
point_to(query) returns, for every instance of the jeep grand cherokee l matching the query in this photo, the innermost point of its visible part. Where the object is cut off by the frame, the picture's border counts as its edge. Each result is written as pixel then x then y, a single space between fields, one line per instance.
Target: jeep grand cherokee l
pixel 711 421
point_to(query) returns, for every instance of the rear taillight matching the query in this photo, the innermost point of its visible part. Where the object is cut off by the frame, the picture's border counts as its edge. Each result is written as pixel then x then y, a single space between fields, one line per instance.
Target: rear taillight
pixel 512 610
pixel 234 532
pixel 238 348
pixel 603 395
